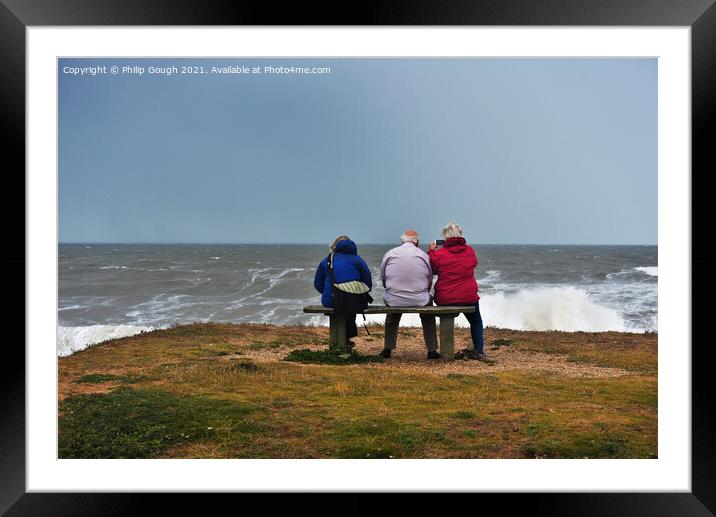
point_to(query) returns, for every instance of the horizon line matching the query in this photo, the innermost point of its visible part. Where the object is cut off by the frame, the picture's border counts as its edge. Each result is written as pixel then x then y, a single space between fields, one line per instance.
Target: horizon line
pixel 325 244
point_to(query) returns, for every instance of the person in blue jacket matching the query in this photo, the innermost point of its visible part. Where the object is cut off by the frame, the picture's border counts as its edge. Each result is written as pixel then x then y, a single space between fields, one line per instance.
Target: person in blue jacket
pixel 347 266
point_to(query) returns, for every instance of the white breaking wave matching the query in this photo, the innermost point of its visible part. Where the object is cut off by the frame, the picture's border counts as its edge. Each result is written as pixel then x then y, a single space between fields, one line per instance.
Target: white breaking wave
pixel 74 339
pixel 565 309
pixel 549 308
pixel 649 270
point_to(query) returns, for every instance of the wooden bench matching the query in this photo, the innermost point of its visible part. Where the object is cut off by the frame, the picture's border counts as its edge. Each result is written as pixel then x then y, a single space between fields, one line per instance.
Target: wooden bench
pixel 446 313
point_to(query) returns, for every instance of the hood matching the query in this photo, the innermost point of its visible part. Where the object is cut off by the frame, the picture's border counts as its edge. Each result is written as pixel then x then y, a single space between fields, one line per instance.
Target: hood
pixel 455 244
pixel 347 246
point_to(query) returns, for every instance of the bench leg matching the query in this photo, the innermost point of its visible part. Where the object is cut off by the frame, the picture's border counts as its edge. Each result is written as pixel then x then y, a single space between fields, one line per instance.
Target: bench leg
pixel 447 336
pixel 341 338
pixel 332 324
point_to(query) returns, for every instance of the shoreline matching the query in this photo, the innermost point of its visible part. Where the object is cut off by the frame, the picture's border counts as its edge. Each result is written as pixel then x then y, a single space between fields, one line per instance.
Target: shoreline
pixel 68 345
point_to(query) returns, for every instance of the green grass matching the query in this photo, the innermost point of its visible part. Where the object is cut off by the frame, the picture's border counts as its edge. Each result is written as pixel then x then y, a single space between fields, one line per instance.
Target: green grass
pixel 129 423
pixel 282 410
pixel 604 443
pixel 330 357
pixel 374 438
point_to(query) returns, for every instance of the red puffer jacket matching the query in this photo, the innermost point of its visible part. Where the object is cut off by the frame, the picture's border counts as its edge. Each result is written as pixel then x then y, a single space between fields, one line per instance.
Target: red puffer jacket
pixel 454 264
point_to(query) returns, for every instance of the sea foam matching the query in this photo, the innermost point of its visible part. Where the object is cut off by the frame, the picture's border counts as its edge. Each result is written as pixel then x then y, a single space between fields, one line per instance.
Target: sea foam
pixel 566 309
pixel 74 339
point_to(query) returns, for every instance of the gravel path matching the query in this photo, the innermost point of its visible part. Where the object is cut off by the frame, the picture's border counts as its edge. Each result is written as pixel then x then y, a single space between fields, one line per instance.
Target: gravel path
pixel 410 354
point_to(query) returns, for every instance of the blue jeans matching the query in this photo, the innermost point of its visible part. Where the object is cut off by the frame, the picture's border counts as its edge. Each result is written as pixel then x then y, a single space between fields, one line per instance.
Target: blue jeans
pixel 476 329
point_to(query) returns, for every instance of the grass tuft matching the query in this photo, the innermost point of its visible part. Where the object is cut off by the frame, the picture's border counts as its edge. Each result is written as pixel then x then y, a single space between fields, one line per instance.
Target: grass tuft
pixel 96 378
pixel 330 356
pixel 246 366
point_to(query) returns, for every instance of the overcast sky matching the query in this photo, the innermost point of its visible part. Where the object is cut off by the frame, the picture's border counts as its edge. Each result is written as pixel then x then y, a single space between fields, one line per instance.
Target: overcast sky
pixel 526 151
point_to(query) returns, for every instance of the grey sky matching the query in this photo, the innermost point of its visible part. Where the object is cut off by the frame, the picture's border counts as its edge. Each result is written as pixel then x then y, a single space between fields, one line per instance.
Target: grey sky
pixel 559 151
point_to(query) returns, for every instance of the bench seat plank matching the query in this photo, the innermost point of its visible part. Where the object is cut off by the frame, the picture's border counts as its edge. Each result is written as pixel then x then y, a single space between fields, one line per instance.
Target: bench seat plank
pixel 383 309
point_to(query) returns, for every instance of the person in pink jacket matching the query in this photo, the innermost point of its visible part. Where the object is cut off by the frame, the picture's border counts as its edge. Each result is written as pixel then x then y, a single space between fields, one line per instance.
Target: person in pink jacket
pixel 454 263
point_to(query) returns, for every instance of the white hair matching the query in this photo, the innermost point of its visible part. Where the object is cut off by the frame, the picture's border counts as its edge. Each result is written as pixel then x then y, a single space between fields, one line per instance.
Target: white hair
pixel 452 229
pixel 410 238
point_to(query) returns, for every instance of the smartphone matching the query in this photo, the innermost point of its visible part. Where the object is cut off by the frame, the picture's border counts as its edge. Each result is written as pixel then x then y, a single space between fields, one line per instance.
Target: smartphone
pixel 440 242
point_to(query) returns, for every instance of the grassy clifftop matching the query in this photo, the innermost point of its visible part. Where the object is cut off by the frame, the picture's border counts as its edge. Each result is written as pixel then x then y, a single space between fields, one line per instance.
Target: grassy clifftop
pixel 226 391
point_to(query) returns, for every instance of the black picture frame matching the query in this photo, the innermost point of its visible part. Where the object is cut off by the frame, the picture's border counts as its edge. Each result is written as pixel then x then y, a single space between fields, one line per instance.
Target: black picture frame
pixel 699 15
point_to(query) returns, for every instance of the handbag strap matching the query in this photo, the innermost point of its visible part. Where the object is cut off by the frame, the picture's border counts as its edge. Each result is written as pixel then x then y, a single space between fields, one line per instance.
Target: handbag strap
pixel 330 269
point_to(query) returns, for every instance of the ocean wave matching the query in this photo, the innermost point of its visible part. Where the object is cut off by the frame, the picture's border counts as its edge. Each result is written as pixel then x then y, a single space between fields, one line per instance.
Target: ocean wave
pixel 255 275
pixel 74 339
pixel 637 274
pixel 272 279
pixel 492 275
pixel 72 307
pixel 566 309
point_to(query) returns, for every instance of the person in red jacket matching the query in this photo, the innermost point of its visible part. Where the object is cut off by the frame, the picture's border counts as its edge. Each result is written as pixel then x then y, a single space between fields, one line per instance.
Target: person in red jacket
pixel 454 264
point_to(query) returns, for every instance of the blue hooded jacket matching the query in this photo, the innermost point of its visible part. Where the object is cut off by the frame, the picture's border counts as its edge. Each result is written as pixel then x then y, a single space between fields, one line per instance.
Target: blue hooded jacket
pixel 347 266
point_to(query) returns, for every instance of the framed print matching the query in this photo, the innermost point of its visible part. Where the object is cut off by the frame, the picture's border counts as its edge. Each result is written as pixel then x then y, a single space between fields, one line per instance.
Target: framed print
pixel 184 329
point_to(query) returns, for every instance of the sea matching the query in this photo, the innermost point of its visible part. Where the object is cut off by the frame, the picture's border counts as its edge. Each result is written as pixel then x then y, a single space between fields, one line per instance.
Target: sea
pixel 111 290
